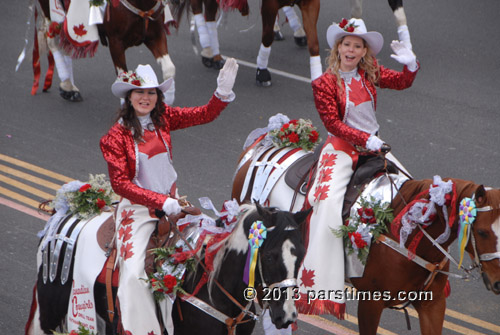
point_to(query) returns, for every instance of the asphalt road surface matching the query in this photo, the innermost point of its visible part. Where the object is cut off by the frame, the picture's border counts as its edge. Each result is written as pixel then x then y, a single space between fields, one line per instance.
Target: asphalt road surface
pixel 446 124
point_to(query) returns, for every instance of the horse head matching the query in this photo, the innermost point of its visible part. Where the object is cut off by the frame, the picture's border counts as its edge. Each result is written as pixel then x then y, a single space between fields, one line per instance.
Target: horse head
pixel 280 257
pixel 484 242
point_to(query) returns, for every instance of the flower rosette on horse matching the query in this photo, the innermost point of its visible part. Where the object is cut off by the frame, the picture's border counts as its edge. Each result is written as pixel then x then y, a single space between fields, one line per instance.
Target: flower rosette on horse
pixel 296 134
pixel 367 222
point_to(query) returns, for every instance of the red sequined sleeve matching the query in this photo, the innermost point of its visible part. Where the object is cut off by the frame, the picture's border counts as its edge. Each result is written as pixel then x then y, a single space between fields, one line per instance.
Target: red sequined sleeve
pixel 327 99
pixel 183 117
pixel 395 79
pixel 114 150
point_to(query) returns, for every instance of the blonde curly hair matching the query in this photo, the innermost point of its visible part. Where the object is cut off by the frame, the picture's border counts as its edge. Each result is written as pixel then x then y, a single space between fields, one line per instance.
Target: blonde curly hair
pixel 368 64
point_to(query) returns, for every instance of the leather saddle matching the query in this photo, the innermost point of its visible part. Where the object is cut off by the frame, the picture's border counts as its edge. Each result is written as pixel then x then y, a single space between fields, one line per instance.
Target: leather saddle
pixel 300 175
pixel 163 235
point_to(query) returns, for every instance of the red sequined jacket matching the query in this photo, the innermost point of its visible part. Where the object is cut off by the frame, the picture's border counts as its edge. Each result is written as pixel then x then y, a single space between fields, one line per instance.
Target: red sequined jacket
pixel 119 150
pixel 331 104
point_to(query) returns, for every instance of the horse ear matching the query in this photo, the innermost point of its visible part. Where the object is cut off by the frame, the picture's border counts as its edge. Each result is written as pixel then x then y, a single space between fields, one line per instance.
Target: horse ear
pixel 264 213
pixel 300 217
pixel 480 194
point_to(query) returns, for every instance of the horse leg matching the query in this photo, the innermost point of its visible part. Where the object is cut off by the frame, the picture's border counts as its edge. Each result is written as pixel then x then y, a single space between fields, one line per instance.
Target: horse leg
pixel 400 16
pixel 357 8
pixel 64 66
pixel 310 12
pixel 157 44
pixel 369 312
pixel 269 10
pixel 299 34
pixel 431 314
pixel 211 8
pixel 278 35
pixel 203 35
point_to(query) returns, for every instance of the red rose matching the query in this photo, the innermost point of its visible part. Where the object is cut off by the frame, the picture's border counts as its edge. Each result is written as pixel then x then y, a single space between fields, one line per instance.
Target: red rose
pixel 350 29
pixel 313 137
pixel 54 29
pixel 360 211
pixel 179 249
pixel 294 122
pixel 100 203
pixel 293 138
pixel 180 257
pixel 136 82
pixel 358 240
pixel 343 23
pixel 170 282
pixel 73 332
pixel 369 212
pixel 285 127
pixel 372 220
pixel 85 187
pixel 125 79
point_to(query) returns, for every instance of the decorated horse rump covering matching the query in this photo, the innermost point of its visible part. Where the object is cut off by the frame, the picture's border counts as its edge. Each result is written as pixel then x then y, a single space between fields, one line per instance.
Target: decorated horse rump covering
pixel 78 30
pixel 72 254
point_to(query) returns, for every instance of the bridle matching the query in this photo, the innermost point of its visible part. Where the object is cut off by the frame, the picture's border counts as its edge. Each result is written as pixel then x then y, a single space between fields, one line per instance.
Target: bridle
pixel 231 322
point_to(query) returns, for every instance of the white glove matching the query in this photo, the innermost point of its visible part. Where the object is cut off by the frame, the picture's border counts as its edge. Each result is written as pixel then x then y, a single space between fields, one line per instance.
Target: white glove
pixel 404 55
pixel 171 206
pixel 404 36
pixel 227 76
pixel 374 143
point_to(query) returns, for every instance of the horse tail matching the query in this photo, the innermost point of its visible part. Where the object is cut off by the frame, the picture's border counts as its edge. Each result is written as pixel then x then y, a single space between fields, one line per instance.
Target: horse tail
pixel 178 7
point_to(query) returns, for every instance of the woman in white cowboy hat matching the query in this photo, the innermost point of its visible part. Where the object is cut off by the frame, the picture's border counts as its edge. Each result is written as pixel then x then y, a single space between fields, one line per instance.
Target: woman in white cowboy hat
pixel 346 98
pixel 137 149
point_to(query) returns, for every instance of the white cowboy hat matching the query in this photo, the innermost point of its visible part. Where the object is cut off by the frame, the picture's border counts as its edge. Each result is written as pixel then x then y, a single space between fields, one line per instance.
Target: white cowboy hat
pixel 143 77
pixel 354 27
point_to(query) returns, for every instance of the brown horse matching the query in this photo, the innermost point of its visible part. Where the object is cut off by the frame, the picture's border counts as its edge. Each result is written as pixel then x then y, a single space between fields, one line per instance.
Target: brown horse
pixel 387 270
pixel 126 23
pixel 269 10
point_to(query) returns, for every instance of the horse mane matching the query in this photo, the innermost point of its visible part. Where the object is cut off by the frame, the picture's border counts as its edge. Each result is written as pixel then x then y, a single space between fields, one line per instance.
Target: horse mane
pixel 233 241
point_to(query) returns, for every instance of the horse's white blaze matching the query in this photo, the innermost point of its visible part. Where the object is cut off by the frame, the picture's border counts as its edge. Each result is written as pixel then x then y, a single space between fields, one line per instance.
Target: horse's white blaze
pixel 167 66
pixel 496 229
pixel 289 260
pixel 400 16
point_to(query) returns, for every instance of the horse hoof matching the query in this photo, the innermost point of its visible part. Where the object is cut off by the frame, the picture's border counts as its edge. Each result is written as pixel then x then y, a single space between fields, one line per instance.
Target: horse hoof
pixel 301 41
pixel 208 62
pixel 73 96
pixel 218 64
pixel 278 35
pixel 263 77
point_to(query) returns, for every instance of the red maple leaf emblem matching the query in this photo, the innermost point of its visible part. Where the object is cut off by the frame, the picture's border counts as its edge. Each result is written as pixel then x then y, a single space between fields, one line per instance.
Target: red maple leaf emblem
pixel 152 145
pixel 127 217
pixel 328 160
pixel 124 233
pixel 321 192
pixel 307 277
pixel 357 93
pixel 80 30
pixel 325 175
pixel 126 251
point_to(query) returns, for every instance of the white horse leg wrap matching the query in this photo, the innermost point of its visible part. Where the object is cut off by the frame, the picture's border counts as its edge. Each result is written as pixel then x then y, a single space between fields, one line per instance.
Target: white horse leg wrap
pixel 214 37
pixel 316 68
pixel 404 36
pixel 69 66
pixel 169 95
pixel 61 66
pixel 263 57
pixel 292 17
pixel 202 30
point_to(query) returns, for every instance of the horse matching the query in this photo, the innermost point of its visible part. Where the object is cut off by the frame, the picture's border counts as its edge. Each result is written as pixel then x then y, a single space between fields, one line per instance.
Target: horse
pixel 278 260
pixel 126 23
pixel 389 270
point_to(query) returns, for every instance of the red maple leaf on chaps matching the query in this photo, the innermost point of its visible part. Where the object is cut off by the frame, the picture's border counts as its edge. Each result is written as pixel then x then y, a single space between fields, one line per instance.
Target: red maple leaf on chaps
pixel 80 30
pixel 307 277
pixel 328 160
pixel 321 192
pixel 127 217
pixel 124 233
pixel 126 251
